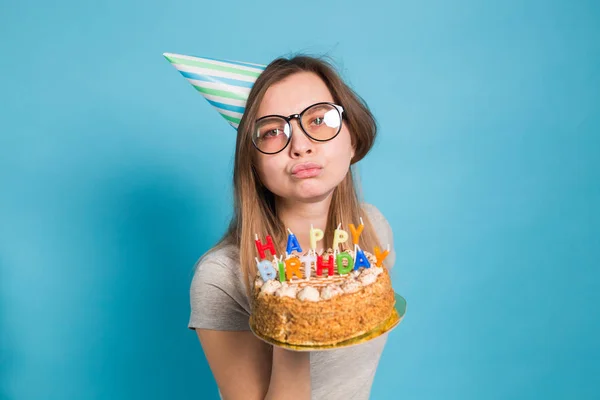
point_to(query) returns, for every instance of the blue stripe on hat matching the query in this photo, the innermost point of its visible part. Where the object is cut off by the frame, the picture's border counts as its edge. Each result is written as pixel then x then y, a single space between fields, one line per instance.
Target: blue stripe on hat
pixel 243 64
pixel 227 107
pixel 232 82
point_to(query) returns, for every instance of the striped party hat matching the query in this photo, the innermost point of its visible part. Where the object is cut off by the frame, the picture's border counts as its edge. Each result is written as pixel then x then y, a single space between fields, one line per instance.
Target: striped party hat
pixel 224 84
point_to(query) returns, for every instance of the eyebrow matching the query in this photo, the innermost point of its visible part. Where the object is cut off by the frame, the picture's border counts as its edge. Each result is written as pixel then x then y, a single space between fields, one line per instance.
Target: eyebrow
pixel 296 113
pixel 320 107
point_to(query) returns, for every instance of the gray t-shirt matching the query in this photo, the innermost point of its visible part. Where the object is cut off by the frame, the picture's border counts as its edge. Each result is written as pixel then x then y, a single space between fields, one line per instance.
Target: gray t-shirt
pixel 218 301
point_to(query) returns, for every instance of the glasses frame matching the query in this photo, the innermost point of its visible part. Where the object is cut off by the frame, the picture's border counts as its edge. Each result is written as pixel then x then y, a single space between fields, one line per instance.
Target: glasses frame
pixel 299 116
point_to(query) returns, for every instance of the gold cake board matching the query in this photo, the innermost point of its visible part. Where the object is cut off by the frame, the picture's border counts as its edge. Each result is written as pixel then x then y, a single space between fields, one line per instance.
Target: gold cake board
pixel 386 326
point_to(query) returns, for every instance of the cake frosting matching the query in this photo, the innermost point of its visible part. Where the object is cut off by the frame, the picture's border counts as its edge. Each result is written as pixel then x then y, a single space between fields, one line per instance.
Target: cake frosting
pixel 326 286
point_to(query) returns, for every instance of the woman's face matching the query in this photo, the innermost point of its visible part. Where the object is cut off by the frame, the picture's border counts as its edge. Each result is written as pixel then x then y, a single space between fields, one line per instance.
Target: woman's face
pixel 305 170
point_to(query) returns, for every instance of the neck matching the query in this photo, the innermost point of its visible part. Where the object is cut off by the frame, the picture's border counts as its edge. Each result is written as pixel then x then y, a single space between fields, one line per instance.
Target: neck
pixel 298 217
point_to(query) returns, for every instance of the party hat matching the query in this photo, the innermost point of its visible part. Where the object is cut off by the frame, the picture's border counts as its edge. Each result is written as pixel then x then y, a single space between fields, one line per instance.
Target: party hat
pixel 224 84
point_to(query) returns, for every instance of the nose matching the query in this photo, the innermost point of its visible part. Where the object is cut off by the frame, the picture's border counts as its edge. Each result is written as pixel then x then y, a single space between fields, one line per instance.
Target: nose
pixel 300 145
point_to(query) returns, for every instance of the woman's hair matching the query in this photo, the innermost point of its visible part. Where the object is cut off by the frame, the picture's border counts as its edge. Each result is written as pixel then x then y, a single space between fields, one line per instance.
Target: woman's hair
pixel 254 205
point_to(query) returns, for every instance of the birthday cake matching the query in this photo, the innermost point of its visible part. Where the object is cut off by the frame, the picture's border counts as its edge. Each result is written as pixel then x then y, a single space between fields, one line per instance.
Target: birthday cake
pixel 308 299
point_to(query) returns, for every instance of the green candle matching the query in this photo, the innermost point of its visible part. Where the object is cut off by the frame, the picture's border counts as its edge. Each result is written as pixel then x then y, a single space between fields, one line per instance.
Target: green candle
pixel 342 270
pixel 281 270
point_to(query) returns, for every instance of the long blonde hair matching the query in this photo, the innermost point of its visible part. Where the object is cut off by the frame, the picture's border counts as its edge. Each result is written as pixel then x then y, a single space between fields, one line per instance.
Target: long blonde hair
pixel 254 205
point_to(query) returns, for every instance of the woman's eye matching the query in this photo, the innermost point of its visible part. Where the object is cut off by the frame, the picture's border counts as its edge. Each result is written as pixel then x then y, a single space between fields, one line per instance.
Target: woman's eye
pixel 317 121
pixel 271 133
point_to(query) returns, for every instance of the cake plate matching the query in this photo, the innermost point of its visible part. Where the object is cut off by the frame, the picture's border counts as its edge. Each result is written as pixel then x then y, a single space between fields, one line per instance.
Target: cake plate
pixel 385 327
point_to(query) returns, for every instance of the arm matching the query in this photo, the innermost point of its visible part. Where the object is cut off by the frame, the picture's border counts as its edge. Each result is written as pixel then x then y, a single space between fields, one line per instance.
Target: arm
pixel 290 375
pixel 242 367
pixel 240 363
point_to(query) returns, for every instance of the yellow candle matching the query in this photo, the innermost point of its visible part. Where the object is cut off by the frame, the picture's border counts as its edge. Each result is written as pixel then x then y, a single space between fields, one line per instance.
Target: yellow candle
pixel 315 236
pixel 379 256
pixel 356 232
pixel 339 236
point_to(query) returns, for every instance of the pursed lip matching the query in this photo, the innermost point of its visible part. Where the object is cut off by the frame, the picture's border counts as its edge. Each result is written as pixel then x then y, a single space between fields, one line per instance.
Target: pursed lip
pixel 305 166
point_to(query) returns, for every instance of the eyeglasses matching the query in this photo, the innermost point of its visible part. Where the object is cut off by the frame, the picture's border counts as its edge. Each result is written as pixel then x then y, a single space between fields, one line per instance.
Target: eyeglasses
pixel 320 122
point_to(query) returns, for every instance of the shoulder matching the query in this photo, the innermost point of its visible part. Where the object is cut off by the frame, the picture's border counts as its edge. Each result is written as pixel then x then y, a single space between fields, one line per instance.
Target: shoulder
pixel 375 216
pixel 379 222
pixel 217 293
pixel 218 266
pixel 224 258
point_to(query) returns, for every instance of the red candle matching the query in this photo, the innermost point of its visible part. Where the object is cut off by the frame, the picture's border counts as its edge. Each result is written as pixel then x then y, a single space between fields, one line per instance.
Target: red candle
pixel 267 246
pixel 321 264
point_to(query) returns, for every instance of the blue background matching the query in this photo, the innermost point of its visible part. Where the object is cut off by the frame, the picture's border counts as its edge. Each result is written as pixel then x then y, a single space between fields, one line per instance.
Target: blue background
pixel 115 177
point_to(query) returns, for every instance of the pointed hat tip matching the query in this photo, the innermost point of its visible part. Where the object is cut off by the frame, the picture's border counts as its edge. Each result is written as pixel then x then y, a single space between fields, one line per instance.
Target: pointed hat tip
pixel 225 84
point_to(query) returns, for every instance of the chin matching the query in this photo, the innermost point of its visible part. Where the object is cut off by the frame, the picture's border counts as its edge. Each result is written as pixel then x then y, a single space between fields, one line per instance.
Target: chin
pixel 313 192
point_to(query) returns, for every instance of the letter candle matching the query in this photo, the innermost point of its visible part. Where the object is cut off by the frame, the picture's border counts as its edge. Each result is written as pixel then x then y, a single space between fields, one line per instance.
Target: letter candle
pixel 322 264
pixel 266 270
pixel 339 236
pixel 315 236
pixel 292 243
pixel 356 231
pixel 381 256
pixel 262 247
pixel 343 270
pixel 360 260
pixel 308 260
pixel 288 267
pixel 292 267
pixel 281 267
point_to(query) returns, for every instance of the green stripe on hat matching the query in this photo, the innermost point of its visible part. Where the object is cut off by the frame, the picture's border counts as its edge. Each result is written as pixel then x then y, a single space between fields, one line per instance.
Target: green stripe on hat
pixel 221 93
pixel 196 63
pixel 230 118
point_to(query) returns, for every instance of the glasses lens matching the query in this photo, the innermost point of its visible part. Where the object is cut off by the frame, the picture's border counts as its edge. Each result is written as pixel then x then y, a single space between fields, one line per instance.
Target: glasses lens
pixel 322 121
pixel 271 134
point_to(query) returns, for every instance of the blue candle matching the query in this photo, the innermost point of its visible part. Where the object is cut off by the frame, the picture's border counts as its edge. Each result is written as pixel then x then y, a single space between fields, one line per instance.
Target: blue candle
pixel 266 270
pixel 360 260
pixel 292 244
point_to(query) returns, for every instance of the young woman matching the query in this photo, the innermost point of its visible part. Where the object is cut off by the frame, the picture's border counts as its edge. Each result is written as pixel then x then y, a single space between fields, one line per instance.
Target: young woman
pixel 302 130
